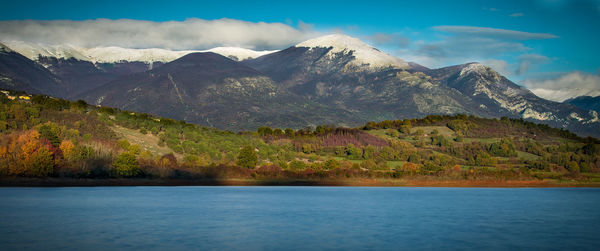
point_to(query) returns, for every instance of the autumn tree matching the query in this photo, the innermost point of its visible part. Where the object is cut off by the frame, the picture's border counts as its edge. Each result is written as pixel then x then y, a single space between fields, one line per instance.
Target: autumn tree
pixel 68 149
pixel 33 157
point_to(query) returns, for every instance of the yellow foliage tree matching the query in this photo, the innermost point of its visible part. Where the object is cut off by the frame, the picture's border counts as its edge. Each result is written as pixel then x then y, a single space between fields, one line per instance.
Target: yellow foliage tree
pixel 67 147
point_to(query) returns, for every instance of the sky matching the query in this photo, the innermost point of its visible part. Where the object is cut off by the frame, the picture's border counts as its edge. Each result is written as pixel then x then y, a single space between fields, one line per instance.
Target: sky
pixel 548 46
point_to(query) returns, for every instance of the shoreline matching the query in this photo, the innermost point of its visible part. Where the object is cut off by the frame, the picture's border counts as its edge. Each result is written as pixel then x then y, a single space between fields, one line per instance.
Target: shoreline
pixel 67 182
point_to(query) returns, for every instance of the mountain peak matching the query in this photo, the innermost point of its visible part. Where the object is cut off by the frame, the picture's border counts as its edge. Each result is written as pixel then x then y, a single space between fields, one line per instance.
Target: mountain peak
pixel 473 67
pixel 363 53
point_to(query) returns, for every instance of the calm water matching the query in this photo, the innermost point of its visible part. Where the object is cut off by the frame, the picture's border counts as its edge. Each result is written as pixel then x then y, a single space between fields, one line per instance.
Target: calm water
pixel 298 218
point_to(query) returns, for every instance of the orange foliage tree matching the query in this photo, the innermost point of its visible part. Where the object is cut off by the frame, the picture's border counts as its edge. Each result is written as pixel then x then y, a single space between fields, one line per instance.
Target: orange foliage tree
pixel 28 156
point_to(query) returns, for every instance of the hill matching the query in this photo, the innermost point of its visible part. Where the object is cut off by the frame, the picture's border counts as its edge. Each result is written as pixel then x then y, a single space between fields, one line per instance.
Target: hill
pixel 47 137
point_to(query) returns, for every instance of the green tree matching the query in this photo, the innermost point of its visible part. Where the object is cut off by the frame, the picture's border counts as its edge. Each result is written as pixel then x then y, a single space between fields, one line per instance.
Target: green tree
pixel 353 152
pixel 247 157
pixel 289 132
pixel 369 152
pixel 50 131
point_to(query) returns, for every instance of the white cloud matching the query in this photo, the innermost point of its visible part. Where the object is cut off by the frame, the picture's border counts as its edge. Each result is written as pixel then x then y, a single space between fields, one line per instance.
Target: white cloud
pixel 518 14
pixel 570 85
pixel 493 32
pixel 192 33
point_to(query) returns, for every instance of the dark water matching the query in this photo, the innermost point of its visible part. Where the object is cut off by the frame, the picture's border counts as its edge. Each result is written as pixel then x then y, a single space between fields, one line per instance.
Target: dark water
pixel 298 218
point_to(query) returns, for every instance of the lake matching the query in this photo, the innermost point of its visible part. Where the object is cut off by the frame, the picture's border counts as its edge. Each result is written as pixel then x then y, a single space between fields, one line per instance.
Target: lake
pixel 299 218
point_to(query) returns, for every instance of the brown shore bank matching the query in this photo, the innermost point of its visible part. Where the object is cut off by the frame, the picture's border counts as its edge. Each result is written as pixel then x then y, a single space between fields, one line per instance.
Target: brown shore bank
pixel 68 182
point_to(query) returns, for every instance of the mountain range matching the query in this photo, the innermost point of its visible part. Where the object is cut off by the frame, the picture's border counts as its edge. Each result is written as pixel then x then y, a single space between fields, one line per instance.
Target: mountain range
pixel 334 79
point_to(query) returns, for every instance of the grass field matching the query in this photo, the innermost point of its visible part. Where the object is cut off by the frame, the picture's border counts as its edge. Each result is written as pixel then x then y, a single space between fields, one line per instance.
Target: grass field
pixel 396 164
pixel 482 140
pixel 148 142
pixel 527 156
pixel 443 130
pixel 382 133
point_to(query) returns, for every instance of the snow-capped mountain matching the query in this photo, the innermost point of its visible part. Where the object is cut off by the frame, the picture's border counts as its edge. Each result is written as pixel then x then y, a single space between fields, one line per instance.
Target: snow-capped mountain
pixel 331 70
pixel 114 54
pixel 363 53
pixel 334 79
pixel 81 69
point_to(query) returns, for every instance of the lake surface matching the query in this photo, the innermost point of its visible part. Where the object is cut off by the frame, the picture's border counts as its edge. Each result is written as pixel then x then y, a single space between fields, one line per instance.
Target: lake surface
pixel 299 218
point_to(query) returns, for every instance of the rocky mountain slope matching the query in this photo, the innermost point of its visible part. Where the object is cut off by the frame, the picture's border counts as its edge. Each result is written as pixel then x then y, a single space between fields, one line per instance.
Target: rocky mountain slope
pixel 19 73
pixel 209 89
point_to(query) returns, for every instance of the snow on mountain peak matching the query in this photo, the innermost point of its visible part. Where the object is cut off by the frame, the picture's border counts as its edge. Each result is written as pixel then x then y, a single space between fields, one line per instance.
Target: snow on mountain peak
pixel 4 48
pixel 363 53
pixel 237 53
pixel 114 54
pixel 473 67
pixel 32 50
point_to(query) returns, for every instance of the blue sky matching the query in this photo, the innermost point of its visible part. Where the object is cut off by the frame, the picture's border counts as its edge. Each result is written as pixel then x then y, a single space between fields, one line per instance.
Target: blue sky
pixel 531 42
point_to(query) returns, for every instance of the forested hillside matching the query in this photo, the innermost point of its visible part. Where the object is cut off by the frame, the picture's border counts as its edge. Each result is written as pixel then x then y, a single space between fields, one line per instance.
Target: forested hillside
pixel 43 136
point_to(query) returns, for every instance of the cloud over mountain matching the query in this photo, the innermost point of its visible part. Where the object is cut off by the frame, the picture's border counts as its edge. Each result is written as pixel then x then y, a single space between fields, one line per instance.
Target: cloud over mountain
pixel 570 85
pixel 192 33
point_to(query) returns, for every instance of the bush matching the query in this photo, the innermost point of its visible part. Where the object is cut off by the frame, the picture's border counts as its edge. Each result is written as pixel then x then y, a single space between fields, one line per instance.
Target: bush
pixel 124 144
pixel 126 165
pixel 572 167
pixel 331 164
pixel 504 148
pixel 297 165
pixel 39 163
